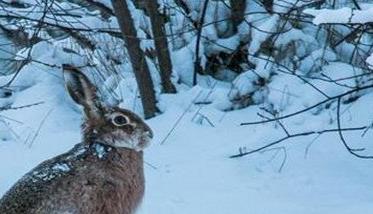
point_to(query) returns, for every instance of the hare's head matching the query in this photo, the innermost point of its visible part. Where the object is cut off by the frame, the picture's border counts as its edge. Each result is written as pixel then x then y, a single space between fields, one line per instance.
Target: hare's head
pixel 113 126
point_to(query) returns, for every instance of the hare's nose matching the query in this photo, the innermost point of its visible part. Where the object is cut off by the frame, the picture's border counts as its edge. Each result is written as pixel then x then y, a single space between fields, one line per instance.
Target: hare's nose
pixel 148 131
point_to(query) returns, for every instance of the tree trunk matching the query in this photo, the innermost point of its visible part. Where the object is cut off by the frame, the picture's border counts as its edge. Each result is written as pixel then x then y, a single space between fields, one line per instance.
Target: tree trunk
pixel 197 62
pixel 161 46
pixel 137 57
pixel 238 8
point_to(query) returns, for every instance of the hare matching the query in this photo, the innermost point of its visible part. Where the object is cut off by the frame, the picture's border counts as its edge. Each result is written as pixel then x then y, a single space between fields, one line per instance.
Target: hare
pixel 102 175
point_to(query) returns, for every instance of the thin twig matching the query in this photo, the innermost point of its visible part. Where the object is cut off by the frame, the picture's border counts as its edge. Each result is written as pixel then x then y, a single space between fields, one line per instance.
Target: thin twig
pixel 349 149
pixel 20 107
pixel 39 127
pixel 179 119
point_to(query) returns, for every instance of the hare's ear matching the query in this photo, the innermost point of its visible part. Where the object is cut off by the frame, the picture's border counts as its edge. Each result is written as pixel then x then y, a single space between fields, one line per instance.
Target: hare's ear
pixel 81 90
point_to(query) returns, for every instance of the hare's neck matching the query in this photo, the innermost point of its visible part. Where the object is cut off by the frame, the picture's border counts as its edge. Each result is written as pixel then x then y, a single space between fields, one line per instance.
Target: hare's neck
pixel 123 156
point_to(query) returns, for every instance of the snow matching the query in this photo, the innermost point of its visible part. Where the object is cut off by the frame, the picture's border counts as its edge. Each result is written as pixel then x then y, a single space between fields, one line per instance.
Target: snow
pixel 5 132
pixel 370 61
pixel 61 167
pixel 342 15
pixel 316 59
pixel 223 45
pixel 244 83
pixel 101 150
pixel 47 174
pixel 206 181
pixel 262 31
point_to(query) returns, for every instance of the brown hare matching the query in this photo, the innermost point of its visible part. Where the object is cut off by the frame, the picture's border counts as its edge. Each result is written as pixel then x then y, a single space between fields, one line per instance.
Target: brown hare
pixel 102 175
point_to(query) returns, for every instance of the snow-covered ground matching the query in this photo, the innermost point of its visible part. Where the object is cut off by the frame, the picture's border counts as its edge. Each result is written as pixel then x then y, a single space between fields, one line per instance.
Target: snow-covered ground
pixel 188 166
pixel 188 169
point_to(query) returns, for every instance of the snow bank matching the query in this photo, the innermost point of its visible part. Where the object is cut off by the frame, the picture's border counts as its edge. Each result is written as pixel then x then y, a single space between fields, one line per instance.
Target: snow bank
pixel 341 16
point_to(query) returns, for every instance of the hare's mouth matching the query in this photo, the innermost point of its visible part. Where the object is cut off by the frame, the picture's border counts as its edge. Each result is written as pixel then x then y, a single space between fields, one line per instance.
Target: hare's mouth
pixel 137 143
pixel 144 141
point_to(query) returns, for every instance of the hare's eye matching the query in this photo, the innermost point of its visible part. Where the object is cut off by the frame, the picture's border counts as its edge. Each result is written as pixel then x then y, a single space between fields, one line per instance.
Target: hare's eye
pixel 120 120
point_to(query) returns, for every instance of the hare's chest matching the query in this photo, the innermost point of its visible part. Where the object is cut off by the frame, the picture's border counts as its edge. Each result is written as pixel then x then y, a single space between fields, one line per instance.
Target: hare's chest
pixel 108 193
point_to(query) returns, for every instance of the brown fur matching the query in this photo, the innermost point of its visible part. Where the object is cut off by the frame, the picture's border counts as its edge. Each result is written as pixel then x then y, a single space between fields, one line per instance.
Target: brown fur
pixel 102 175
pixel 95 184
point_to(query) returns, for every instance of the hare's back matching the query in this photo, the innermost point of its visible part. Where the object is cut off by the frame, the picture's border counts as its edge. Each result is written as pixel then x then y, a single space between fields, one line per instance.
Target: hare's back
pixel 47 185
pixel 94 180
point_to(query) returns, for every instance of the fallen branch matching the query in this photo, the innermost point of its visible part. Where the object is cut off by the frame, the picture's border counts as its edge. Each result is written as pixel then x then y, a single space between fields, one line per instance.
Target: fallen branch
pixel 242 153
